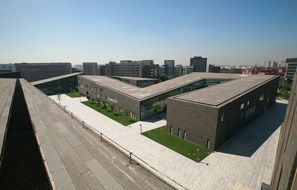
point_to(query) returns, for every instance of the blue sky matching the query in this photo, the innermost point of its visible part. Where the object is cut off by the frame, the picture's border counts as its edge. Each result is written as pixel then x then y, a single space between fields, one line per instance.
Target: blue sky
pixel 227 32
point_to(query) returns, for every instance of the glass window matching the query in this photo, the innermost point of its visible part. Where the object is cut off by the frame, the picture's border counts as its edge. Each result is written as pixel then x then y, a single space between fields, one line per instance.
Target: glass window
pixel 222 117
pixel 185 135
pixel 242 106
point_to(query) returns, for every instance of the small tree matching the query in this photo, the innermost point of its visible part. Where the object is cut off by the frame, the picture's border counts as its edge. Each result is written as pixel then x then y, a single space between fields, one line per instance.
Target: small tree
pixel 159 107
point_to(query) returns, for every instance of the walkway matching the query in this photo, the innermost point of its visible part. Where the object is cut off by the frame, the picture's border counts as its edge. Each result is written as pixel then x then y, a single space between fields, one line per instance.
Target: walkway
pixel 243 163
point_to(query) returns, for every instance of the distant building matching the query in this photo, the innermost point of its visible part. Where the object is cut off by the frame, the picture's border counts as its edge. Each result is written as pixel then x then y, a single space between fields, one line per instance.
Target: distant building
pixel 7 68
pixel 285 173
pixel 214 69
pixel 143 68
pixel 178 71
pixel 169 68
pixel 79 67
pixel 101 70
pixel 275 64
pixel 38 71
pixel 188 70
pixel 291 68
pixel 162 70
pixel 199 64
pixel 90 68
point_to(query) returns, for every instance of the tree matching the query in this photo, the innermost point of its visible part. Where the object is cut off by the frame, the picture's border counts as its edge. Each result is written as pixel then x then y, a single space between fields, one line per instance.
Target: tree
pixel 159 107
pixel 164 78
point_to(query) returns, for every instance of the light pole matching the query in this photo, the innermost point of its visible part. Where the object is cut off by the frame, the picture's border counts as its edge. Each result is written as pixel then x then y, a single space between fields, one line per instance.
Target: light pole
pixel 140 127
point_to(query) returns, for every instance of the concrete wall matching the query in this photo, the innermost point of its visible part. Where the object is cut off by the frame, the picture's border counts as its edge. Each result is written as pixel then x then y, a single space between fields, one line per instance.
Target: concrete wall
pixel 285 174
pixel 94 91
pixel 198 121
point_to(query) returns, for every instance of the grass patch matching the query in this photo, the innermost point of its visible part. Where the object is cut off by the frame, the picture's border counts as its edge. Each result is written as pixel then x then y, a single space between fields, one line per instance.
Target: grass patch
pixel 74 94
pixel 119 117
pixel 186 148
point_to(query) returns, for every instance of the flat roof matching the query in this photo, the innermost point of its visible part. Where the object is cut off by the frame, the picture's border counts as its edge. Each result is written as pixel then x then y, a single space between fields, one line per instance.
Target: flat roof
pixel 74 157
pixel 135 78
pixel 219 94
pixel 160 88
pixel 7 90
pixel 54 78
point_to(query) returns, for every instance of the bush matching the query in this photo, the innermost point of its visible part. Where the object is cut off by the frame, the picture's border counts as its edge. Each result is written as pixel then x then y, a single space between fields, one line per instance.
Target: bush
pixel 116 114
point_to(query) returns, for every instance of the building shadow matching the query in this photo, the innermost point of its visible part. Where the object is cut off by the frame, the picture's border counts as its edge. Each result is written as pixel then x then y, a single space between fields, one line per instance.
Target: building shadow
pixel 156 118
pixel 248 140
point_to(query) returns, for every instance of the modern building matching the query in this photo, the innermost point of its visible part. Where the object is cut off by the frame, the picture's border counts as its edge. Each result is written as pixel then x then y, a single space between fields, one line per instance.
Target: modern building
pixel 137 81
pixel 169 68
pixel 212 115
pixel 198 63
pixel 57 85
pixel 139 103
pixel 291 68
pixel 38 71
pixel 214 69
pixel 90 68
pixel 285 173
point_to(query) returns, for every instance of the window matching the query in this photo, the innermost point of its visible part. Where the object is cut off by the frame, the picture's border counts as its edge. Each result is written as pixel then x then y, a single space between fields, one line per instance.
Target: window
pixel 171 129
pixel 261 97
pixel 222 117
pixel 179 133
pixel 185 135
pixel 242 106
pixel 248 103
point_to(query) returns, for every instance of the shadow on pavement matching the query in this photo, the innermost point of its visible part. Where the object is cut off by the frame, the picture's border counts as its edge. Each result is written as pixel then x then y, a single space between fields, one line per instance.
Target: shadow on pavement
pixel 247 141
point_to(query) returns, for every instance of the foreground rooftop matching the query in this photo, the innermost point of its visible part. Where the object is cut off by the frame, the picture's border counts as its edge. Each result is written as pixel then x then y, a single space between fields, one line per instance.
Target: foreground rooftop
pixel 7 89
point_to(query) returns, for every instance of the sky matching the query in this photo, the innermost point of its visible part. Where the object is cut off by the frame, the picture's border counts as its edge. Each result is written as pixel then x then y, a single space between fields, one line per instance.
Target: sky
pixel 227 32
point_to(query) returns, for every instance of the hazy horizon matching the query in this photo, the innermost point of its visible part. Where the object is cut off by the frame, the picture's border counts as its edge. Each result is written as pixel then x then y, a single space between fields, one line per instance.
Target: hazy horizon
pixel 227 32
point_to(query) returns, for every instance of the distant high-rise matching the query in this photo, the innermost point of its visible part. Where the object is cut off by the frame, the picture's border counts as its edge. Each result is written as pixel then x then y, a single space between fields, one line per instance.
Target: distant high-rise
pixel 198 64
pixel 38 71
pixel 90 68
pixel 169 68
pixel 291 68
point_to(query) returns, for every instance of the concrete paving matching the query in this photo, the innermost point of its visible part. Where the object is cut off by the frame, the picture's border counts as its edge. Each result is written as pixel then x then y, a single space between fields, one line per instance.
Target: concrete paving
pixel 244 162
pixel 75 158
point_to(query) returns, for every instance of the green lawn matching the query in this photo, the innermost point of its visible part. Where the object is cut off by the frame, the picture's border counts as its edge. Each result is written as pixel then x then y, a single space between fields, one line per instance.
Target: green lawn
pixel 74 94
pixel 184 147
pixel 119 117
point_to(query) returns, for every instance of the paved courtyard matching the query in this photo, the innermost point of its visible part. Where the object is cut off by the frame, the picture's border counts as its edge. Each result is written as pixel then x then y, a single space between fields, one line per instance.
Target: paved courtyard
pixel 244 162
